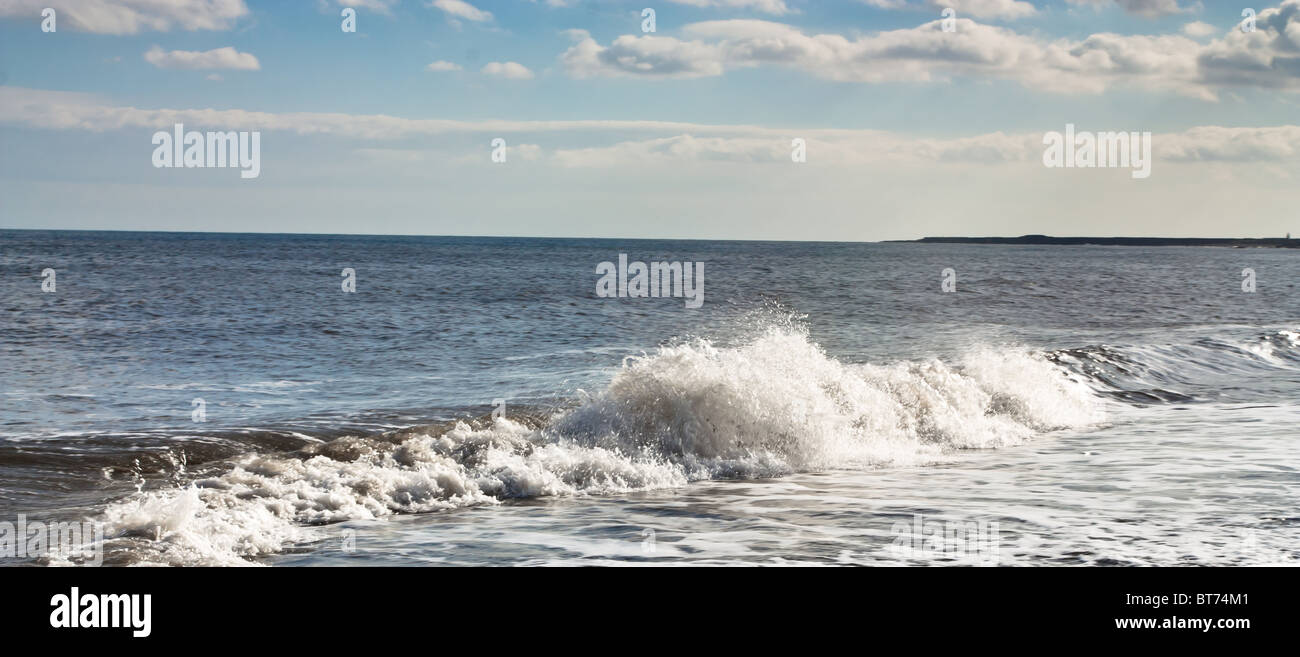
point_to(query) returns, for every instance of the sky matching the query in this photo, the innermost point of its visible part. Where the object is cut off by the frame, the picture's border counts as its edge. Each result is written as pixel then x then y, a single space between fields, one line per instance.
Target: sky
pixel 911 120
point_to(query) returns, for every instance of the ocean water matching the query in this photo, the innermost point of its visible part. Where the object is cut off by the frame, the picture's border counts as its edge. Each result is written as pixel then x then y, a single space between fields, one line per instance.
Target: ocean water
pixel 828 404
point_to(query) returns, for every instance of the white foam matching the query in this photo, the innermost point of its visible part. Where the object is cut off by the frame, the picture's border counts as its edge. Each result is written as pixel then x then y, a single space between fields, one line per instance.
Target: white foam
pixel 692 411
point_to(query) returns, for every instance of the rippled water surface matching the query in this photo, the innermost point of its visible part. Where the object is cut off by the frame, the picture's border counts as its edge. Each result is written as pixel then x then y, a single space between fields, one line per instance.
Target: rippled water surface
pixel 828 404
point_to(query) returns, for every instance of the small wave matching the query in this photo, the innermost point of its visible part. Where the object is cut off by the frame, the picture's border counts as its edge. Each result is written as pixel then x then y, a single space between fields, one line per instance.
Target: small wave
pixel 1155 374
pixel 775 405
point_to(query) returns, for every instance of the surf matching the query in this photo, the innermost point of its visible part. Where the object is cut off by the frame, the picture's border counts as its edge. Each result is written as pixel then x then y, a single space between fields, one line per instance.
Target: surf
pixel 775 405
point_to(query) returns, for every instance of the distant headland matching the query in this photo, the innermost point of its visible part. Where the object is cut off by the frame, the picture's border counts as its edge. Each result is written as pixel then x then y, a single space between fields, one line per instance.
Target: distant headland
pixel 1242 242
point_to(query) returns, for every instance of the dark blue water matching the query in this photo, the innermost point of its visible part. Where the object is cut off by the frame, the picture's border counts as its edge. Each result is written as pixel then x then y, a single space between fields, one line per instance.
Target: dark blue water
pixel 804 358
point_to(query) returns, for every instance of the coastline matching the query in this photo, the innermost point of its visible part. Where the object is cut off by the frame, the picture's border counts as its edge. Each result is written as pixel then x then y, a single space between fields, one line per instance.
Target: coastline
pixel 1244 242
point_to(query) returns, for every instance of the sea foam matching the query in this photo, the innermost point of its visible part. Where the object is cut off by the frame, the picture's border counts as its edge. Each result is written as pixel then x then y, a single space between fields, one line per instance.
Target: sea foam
pixel 775 405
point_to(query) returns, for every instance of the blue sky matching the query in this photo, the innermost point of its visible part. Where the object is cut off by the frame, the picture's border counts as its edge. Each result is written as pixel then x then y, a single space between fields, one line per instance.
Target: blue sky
pixel 681 133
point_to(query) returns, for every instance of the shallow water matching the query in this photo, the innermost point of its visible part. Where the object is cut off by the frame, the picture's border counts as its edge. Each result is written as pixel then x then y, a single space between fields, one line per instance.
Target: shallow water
pixel 1104 497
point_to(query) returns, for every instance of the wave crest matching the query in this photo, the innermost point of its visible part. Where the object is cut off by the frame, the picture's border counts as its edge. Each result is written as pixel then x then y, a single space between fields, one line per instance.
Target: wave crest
pixel 773 406
pixel 780 404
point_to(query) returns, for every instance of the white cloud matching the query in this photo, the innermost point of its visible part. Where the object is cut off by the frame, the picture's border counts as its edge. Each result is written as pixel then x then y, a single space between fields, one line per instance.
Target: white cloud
pixel 462 9
pixel 1206 144
pixel 134 16
pixel 1197 29
pixel 1266 58
pixel 508 70
pixel 773 7
pixel 827 147
pixel 67 110
pixel 442 65
pixel 379 6
pixel 220 58
pixel 1219 144
pixel 662 141
pixel 922 54
pixel 652 56
pixel 1004 9
pixel 444 155
pixel 727 180
pixel 677 147
pixel 1147 8
pixel 1000 9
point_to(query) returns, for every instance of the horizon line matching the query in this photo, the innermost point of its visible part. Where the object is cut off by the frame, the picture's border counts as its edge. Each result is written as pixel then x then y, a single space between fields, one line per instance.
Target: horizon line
pixel 663 239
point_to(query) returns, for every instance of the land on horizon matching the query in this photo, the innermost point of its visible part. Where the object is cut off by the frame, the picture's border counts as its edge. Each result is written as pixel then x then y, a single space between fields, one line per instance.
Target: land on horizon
pixel 1274 242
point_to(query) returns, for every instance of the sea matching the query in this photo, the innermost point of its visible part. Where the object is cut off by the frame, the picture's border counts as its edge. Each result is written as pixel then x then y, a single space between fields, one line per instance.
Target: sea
pixel 226 399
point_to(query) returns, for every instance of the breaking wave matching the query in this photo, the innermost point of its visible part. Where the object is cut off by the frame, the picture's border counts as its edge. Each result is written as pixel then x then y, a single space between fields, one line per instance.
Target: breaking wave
pixel 775 405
